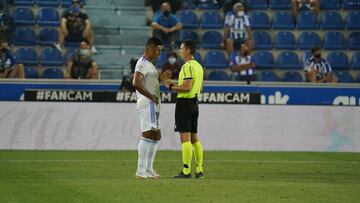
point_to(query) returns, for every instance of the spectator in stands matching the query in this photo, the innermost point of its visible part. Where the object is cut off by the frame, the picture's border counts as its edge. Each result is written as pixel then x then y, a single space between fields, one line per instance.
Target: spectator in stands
pixel 228 5
pixel 9 67
pixel 81 65
pixel 7 26
pixel 166 26
pixel 157 4
pixel 317 69
pixel 172 63
pixel 242 63
pixel 126 83
pixel 300 5
pixel 237 29
pixel 75 26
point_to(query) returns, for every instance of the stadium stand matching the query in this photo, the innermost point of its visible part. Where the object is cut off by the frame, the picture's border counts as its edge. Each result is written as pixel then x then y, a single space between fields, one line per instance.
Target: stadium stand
pixel 276 34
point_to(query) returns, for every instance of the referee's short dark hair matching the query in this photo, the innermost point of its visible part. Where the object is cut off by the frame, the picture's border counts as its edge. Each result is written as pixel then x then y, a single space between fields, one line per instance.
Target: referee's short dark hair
pixel 315 49
pixel 153 41
pixel 190 44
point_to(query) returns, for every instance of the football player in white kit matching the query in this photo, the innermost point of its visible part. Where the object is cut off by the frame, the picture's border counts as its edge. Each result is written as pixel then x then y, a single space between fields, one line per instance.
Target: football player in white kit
pixel 147 84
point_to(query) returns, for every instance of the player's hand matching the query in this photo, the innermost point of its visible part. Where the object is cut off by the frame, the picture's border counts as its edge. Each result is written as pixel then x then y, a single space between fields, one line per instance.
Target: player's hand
pixel 166 75
pixel 167 83
pixel 166 30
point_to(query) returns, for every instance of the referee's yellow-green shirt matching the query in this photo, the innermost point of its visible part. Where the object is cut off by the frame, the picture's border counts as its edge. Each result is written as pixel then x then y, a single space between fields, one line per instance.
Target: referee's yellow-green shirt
pixel 191 70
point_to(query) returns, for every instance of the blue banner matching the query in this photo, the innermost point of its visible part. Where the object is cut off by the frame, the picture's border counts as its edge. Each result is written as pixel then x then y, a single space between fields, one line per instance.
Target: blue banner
pixel 270 94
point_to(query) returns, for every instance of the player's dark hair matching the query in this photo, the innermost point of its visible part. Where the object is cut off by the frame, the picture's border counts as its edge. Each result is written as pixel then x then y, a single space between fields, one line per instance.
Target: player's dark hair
pixel 190 44
pixel 315 49
pixel 153 41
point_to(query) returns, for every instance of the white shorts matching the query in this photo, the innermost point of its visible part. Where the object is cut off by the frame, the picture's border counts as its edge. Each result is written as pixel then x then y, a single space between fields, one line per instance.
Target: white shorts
pixel 149 117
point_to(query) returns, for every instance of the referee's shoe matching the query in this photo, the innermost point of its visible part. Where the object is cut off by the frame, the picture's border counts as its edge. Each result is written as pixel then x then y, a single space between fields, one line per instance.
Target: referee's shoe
pixel 182 175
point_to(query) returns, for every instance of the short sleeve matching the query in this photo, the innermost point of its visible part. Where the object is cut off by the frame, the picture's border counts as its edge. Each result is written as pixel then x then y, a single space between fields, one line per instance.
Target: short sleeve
pixel 66 14
pixel 188 71
pixel 308 65
pixel 247 21
pixel 175 19
pixel 328 67
pixel 229 20
pixel 84 16
pixel 140 67
pixel 157 19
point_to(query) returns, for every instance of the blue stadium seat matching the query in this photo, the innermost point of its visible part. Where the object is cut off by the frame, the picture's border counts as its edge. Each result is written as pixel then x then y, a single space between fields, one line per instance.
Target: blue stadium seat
pixel 309 39
pixel 284 40
pixel 331 20
pixel 355 61
pixel 280 4
pixel 354 41
pixel 188 19
pixel 197 57
pixel 257 5
pixel 262 40
pixel 215 60
pixel 307 20
pixel 292 76
pixel 24 37
pixel 338 60
pixel 352 20
pixel 161 59
pixel 264 60
pixel 23 2
pixel 31 73
pixel 283 20
pixel 344 77
pixel 211 20
pixel 23 16
pixel 48 3
pixel 48 36
pixel 330 4
pixel 51 57
pixel 53 73
pixel 260 20
pixel 350 4
pixel 188 34
pixel 211 40
pixel 48 17
pixel 268 76
pixel 218 75
pixel 334 41
pixel 209 5
pixel 288 60
pixel 26 56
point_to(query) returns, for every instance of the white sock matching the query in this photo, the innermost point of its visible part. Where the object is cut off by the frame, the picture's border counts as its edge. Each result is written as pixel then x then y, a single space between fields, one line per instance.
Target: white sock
pixel 143 151
pixel 151 155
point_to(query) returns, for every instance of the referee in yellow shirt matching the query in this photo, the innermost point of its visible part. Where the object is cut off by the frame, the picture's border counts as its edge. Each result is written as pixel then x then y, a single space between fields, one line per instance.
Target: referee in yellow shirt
pixel 189 86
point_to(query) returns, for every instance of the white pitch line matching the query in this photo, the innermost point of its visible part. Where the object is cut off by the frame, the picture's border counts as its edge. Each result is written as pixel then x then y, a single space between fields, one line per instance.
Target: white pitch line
pixel 174 160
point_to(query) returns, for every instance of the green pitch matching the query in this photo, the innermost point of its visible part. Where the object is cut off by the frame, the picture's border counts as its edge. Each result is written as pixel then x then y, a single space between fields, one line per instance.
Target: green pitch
pixel 108 176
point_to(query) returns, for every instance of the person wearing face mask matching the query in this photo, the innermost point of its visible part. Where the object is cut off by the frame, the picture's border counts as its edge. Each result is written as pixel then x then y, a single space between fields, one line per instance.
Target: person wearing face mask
pixel 237 29
pixel 303 5
pixel 242 64
pixel 7 25
pixel 75 26
pixel 317 69
pixel 172 64
pixel 166 26
pixel 9 68
pixel 81 65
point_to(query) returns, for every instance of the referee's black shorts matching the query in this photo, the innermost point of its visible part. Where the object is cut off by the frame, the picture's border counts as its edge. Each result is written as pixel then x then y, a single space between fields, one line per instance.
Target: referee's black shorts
pixel 186 115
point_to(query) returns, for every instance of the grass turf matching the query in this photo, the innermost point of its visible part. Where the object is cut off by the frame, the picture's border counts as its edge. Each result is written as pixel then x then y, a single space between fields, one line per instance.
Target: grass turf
pixel 108 176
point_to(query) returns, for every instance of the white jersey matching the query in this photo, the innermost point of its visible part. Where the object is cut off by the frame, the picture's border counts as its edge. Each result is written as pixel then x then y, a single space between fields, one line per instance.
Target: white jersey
pixel 151 81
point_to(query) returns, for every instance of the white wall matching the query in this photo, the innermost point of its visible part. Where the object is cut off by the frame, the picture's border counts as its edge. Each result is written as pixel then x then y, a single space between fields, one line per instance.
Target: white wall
pixel 33 125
